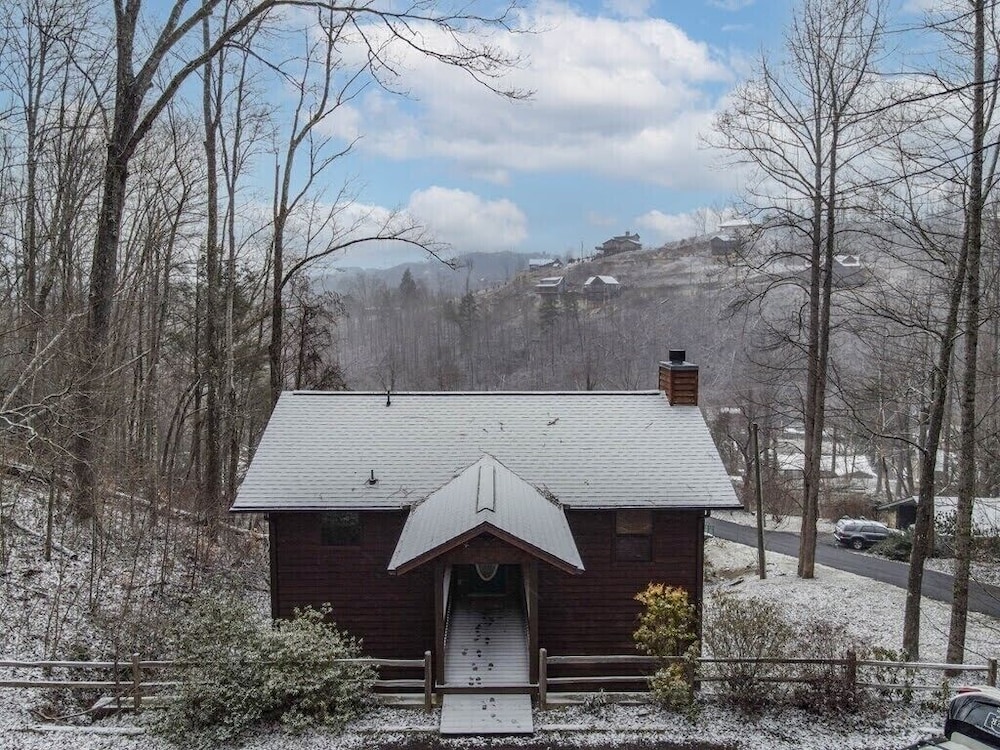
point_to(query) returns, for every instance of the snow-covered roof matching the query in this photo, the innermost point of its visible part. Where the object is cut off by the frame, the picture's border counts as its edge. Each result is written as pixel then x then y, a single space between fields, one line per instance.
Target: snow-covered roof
pixel 985 511
pixel 846 464
pixel 737 223
pixel 487 496
pixel 585 449
pixel 550 281
pixel 605 279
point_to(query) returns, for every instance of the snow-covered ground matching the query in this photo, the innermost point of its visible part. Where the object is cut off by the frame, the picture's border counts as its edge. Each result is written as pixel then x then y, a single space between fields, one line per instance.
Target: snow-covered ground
pixel 47 603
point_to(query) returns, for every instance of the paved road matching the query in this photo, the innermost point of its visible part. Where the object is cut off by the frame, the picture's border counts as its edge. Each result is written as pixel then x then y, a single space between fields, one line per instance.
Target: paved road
pixel 982 598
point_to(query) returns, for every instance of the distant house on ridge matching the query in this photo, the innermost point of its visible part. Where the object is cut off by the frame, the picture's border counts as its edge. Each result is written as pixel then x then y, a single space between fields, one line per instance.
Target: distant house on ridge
pixel 536 264
pixel 601 287
pixel 553 285
pixel 619 244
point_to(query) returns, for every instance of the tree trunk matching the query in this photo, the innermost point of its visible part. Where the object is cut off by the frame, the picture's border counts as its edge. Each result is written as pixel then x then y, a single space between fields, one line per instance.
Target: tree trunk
pixel 967 462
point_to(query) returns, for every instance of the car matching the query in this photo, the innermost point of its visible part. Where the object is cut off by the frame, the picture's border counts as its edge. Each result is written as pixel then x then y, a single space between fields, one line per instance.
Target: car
pixel 973 721
pixel 859 533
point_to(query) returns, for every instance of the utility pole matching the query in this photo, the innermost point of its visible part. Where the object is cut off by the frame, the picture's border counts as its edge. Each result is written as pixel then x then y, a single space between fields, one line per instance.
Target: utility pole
pixel 758 491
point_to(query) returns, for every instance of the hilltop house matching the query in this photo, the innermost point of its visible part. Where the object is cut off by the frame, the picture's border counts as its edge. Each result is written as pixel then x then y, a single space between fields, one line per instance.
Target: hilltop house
pixel 723 244
pixel 551 285
pixel 536 264
pixel 737 227
pixel 619 244
pixel 848 271
pixel 404 510
pixel 601 287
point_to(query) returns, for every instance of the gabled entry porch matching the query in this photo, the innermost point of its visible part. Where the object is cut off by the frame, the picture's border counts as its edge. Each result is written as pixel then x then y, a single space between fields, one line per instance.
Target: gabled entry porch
pixel 486 532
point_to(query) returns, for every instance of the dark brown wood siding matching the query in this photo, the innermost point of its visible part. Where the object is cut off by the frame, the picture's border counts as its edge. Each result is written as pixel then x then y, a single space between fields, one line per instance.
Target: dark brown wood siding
pixel 393 615
pixel 590 613
pixel 595 613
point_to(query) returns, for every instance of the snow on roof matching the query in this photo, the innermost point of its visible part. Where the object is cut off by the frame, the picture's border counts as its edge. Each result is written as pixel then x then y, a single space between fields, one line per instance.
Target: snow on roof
pixel 848 261
pixel 985 512
pixel 586 449
pixel 487 495
pixel 846 463
pixel 550 281
pixel 737 223
pixel 605 279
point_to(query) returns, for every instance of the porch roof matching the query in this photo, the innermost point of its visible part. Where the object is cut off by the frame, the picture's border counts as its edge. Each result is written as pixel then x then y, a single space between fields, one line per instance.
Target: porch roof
pixel 486 497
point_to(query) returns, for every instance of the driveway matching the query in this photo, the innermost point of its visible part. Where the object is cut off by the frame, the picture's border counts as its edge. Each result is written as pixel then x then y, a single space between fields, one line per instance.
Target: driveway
pixel 982 598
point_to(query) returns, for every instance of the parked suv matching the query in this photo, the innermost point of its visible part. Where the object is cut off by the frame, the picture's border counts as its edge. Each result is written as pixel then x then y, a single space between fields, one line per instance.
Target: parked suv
pixel 973 721
pixel 859 533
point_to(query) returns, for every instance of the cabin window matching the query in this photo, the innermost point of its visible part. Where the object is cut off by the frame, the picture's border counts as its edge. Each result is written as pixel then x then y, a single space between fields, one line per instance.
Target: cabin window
pixel 340 528
pixel 634 535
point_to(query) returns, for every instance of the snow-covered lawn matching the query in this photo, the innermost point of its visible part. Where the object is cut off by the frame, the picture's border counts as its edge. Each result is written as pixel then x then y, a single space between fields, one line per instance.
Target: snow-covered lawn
pixel 44 601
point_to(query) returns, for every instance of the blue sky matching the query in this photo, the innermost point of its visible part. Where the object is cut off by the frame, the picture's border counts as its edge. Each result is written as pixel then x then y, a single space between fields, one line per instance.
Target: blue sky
pixel 609 142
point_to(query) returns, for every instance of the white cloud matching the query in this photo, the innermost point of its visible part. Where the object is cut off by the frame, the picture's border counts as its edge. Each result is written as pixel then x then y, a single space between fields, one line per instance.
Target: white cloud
pixel 466 221
pixel 663 227
pixel 452 221
pixel 620 98
pixel 666 227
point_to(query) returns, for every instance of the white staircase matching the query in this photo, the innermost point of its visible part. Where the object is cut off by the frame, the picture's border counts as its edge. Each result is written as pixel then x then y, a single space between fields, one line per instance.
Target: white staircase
pixel 486 644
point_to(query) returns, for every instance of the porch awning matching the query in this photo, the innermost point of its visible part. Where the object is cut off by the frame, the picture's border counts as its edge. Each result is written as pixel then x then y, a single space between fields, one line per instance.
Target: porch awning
pixel 487 497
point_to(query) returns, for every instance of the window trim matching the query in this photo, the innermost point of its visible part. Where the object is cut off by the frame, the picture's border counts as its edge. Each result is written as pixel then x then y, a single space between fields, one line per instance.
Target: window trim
pixel 626 522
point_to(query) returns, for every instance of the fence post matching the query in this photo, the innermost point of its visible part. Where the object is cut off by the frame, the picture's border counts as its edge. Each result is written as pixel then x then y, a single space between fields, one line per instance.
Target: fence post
pixel 991 672
pixel 851 670
pixel 543 679
pixel 136 682
pixel 428 683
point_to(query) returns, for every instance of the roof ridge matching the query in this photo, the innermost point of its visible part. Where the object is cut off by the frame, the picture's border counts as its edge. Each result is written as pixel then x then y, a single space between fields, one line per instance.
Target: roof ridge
pixel 381 394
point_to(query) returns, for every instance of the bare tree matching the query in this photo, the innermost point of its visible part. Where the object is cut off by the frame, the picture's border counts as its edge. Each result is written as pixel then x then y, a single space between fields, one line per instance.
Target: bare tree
pixel 169 59
pixel 803 127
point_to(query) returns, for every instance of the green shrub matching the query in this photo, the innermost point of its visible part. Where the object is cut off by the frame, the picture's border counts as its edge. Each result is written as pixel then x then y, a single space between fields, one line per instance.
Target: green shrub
pixel 895 546
pixel 898 546
pixel 746 628
pixel 667 628
pixel 242 673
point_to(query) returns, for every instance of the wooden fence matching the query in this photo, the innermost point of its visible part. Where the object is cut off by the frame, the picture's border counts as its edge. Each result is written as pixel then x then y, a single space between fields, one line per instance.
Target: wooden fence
pixel 130 685
pixel 851 667
pixel 129 682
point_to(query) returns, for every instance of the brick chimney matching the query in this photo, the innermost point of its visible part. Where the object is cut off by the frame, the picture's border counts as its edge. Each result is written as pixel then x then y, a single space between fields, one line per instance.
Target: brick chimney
pixel 679 379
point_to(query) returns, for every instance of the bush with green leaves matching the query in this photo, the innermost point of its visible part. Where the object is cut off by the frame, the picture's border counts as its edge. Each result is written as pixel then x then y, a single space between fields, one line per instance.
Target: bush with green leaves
pixel 746 628
pixel 240 672
pixel 668 628
pixel 895 546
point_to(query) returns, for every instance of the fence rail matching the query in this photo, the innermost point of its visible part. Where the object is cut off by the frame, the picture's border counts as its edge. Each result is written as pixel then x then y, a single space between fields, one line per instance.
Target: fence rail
pixel 133 687
pixel 131 684
pixel 849 665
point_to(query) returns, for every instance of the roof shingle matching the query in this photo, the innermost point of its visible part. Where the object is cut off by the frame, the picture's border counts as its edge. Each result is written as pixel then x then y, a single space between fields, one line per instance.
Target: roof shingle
pixel 584 449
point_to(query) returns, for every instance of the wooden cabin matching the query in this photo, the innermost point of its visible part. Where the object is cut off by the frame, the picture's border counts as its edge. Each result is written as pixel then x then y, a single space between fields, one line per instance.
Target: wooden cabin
pixel 401 509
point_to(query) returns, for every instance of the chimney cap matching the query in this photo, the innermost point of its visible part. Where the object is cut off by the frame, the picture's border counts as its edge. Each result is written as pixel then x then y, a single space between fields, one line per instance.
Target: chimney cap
pixel 676 360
